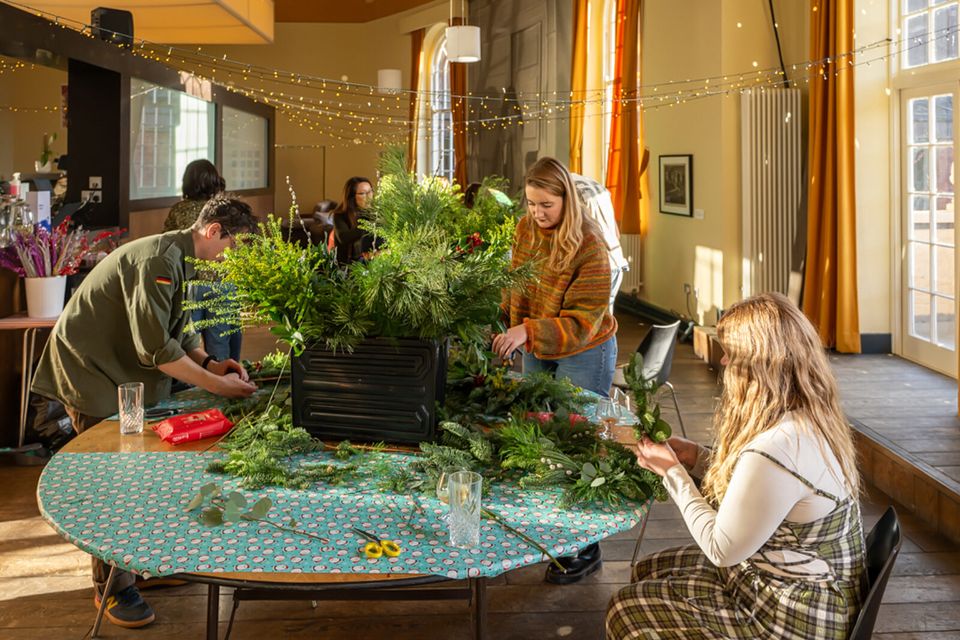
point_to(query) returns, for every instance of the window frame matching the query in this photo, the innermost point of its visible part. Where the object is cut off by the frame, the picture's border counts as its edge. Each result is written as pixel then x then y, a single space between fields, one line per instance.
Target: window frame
pixel 440 160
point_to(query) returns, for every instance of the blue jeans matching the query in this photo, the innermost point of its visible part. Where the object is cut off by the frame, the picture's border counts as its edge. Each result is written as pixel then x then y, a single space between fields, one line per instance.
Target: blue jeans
pixel 592 369
pixel 219 346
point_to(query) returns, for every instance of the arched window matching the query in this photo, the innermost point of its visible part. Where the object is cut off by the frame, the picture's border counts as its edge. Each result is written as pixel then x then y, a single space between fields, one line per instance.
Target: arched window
pixel 441 115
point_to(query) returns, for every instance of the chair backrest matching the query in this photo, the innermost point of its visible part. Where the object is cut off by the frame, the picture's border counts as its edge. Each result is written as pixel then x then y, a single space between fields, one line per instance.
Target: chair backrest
pixel 657 350
pixel 883 546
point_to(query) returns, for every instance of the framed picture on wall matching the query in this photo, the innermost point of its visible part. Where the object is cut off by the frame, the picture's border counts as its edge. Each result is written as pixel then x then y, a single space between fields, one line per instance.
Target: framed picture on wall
pixel 676 184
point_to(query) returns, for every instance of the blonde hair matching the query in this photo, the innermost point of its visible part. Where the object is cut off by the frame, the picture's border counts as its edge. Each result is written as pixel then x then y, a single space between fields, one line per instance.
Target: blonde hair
pixel 552 176
pixel 775 364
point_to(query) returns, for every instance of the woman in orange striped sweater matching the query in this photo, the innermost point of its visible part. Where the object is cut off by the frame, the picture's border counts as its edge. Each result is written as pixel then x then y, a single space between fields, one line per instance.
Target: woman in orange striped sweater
pixel 561 320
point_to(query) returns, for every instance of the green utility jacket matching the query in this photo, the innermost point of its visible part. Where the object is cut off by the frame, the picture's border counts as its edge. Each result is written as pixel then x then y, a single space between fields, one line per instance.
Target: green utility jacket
pixel 125 318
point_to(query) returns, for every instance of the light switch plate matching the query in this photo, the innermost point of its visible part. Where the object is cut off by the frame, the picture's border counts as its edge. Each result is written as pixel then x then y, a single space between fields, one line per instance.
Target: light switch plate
pixel 698 214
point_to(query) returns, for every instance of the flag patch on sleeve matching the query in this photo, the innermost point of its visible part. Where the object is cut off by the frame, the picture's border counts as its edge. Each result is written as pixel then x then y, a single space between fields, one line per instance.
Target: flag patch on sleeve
pixel 164 280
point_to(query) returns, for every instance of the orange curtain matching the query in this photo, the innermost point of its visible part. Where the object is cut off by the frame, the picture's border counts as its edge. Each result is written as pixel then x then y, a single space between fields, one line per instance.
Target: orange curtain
pixel 578 83
pixel 416 68
pixel 830 279
pixel 627 175
pixel 458 87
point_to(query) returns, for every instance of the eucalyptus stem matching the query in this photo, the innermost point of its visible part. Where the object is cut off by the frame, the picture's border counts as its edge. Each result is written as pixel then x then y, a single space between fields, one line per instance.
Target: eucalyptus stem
pixel 494 516
pixel 299 532
pixel 220 502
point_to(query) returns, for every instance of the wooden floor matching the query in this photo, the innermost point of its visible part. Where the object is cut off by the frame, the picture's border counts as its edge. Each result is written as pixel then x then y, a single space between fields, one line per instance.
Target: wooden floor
pixel 45 590
pixel 912 408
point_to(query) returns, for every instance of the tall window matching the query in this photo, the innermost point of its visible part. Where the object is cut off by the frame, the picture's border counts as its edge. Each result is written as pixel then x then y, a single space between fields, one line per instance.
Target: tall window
pixel 609 73
pixel 168 130
pixel 441 115
pixel 927 326
pixel 930 31
pixel 929 287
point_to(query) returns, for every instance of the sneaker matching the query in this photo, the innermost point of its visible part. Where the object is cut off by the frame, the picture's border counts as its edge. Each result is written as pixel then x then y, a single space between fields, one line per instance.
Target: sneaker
pixel 126 608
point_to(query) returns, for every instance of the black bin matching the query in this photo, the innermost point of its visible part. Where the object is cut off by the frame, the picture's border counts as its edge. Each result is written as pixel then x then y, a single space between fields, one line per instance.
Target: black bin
pixel 386 389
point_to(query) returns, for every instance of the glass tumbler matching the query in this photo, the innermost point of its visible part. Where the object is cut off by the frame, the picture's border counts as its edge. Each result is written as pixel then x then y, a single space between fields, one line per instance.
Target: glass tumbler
pixel 130 398
pixel 608 415
pixel 464 489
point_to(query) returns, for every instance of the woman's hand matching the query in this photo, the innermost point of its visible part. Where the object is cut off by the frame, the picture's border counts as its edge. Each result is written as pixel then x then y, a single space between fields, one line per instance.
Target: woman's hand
pixel 658 458
pixel 504 344
pixel 687 451
pixel 228 366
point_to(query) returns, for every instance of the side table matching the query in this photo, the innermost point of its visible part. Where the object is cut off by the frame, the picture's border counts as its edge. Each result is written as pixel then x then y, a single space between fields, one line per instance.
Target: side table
pixel 30 326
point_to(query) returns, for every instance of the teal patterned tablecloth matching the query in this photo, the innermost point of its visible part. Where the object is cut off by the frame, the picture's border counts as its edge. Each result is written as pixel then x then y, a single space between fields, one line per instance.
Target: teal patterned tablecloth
pixel 129 509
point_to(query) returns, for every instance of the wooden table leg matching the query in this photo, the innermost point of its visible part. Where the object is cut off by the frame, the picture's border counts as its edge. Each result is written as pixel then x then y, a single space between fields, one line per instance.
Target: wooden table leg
pixel 103 601
pixel 213 611
pixel 479 608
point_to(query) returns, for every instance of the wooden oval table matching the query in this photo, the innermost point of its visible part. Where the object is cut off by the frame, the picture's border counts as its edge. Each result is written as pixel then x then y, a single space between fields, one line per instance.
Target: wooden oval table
pixel 83 494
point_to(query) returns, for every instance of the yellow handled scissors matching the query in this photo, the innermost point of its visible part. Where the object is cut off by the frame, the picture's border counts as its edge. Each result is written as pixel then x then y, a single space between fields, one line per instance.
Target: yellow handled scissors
pixel 376 547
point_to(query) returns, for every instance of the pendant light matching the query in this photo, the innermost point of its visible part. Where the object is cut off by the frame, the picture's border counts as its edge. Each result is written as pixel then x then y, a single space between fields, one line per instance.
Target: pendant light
pixel 463 41
pixel 389 80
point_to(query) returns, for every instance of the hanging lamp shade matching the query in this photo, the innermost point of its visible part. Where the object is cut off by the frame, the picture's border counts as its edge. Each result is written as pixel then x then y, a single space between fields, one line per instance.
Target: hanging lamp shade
pixel 389 80
pixel 463 43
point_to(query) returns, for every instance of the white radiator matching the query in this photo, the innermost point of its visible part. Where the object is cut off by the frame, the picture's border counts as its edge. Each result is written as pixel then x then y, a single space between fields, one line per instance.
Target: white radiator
pixel 772 171
pixel 632 280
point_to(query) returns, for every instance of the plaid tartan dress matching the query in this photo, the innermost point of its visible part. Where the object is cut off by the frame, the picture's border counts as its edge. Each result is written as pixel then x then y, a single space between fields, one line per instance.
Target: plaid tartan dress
pixel 678 593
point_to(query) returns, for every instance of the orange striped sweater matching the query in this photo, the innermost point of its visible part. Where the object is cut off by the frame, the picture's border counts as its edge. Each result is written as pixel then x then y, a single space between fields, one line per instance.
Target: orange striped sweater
pixel 565 313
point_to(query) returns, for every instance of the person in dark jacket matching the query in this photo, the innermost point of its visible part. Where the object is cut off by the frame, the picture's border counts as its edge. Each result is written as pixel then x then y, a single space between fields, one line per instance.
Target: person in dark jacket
pixel 352 241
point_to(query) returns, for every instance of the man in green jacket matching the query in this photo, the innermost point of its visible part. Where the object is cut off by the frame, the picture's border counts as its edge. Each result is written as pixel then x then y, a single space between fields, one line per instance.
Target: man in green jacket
pixel 125 323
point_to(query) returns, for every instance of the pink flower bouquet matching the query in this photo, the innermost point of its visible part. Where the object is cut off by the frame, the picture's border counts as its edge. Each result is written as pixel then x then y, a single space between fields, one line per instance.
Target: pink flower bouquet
pixel 36 252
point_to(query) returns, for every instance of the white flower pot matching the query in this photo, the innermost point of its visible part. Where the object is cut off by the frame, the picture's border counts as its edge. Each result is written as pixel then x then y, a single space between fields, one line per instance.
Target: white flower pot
pixel 45 296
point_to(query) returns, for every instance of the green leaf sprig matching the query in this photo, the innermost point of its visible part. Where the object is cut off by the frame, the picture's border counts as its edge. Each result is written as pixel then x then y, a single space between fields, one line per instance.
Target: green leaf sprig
pixel 644 392
pixel 233 507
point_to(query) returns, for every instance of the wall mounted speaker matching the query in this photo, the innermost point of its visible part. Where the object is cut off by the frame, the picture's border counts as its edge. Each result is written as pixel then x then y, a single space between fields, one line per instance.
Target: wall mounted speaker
pixel 112 25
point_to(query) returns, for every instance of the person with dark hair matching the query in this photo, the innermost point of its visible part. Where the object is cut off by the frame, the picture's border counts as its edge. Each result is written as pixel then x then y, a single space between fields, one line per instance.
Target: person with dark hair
pixel 352 241
pixel 125 323
pixel 470 194
pixel 201 181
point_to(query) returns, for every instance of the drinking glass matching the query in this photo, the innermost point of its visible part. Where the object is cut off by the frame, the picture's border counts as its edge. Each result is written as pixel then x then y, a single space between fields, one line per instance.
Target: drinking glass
pixel 625 408
pixel 608 415
pixel 464 489
pixel 130 397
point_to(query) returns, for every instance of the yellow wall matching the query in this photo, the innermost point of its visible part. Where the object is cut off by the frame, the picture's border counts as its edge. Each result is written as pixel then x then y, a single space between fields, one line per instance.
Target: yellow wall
pixel 696 39
pixel 21 134
pixel 330 51
pixel 875 211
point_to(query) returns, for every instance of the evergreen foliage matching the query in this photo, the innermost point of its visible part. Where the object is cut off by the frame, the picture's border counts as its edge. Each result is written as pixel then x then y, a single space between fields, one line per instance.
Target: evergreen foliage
pixel 439 270
pixel 646 407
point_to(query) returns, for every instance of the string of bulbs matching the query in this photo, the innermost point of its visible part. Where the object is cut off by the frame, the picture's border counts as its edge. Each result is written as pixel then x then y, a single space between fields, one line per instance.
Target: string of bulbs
pixel 357 113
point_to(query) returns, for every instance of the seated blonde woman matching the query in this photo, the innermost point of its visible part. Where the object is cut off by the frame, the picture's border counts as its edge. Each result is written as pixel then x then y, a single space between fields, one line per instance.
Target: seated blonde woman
pixel 779 547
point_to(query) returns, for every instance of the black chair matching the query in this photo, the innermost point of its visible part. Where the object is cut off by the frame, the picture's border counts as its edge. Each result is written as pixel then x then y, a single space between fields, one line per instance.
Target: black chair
pixel 883 546
pixel 657 349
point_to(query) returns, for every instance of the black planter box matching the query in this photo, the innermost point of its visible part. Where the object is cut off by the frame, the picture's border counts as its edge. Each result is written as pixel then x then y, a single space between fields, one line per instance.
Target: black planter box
pixel 386 389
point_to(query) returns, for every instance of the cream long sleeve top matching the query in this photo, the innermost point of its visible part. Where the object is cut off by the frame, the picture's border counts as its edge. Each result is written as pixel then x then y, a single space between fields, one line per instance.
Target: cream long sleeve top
pixel 761 495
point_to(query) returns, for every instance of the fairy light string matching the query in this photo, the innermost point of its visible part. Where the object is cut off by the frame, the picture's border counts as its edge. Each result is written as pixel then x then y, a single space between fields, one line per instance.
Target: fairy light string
pixel 357 113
